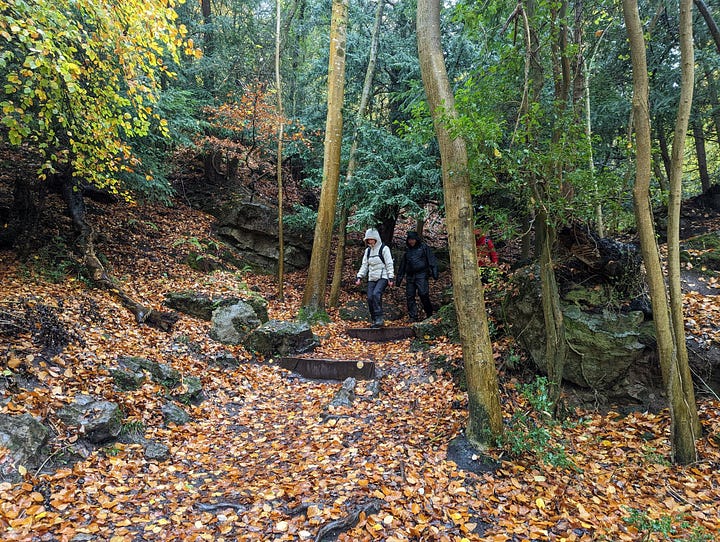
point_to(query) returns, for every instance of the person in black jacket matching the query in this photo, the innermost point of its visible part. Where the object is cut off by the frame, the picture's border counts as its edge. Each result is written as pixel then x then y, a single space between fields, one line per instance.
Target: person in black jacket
pixel 416 266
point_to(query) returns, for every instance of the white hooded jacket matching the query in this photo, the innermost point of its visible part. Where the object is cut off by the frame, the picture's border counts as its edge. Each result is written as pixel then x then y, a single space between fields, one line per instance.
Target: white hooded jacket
pixel 372 265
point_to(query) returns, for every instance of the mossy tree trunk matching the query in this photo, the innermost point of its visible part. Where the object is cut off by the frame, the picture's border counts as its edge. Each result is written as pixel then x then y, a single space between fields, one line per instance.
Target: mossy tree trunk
pixel 485 416
pixel 683 411
pixel 314 294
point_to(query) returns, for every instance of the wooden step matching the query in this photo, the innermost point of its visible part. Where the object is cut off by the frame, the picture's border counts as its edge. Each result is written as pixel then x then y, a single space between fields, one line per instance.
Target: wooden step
pixel 329 369
pixel 381 334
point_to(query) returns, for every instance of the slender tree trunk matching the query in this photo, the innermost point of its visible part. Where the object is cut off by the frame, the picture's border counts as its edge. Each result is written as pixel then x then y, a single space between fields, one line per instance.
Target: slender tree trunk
pixel 281 126
pixel 709 21
pixel 686 407
pixel 714 102
pixel 664 148
pixel 314 295
pixel 682 424
pixel 699 139
pixel 339 258
pixel 362 110
pixel 599 223
pixel 485 416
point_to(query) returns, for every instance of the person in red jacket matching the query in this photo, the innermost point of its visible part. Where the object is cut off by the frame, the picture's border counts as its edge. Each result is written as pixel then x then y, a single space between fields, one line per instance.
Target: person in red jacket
pixel 485 250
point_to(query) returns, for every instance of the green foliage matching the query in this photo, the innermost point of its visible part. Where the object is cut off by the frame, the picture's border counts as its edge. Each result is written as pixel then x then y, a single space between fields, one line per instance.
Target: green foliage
pixel 302 219
pixel 534 430
pixel 112 450
pixel 134 428
pixel 393 174
pixel 664 526
pixel 81 79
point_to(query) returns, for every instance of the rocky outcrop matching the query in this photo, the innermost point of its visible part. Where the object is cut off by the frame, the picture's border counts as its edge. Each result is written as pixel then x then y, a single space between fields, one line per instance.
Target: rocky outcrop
pixel 252 229
pixel 98 421
pixel 603 344
pixel 202 306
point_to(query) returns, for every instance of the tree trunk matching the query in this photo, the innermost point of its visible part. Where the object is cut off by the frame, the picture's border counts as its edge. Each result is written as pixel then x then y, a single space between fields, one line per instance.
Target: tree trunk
pixel 339 258
pixel 278 86
pixel 685 405
pixel 709 21
pixel 699 139
pixel 664 149
pixel 73 197
pixel 314 295
pixel 682 429
pixel 362 110
pixel 485 416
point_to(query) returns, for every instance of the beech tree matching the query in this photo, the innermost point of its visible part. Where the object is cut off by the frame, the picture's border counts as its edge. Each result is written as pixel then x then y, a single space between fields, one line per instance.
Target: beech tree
pixel 485 416
pixel 314 294
pixel 81 79
pixel 281 129
pixel 352 160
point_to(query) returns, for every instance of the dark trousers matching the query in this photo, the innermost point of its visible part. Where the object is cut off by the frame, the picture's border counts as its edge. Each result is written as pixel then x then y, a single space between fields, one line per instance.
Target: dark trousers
pixel 418 284
pixel 375 291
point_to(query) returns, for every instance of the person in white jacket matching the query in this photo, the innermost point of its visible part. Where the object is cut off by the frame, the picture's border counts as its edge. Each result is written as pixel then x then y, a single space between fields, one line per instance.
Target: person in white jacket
pixel 377 266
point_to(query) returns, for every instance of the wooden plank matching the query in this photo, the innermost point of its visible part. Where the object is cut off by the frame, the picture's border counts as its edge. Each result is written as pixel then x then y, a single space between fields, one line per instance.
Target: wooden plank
pixel 329 369
pixel 381 334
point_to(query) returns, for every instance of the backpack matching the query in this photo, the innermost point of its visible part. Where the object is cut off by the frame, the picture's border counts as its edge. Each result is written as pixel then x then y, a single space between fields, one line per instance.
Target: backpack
pixel 380 253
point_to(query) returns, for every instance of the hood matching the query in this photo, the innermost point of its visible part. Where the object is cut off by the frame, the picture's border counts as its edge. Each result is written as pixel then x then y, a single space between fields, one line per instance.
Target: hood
pixel 413 235
pixel 372 233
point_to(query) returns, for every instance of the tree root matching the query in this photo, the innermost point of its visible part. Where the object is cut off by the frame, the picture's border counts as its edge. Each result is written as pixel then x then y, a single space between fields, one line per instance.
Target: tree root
pixel 348 522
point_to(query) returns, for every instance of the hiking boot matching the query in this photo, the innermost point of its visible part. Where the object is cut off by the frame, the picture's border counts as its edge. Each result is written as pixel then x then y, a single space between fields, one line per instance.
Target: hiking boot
pixel 378 323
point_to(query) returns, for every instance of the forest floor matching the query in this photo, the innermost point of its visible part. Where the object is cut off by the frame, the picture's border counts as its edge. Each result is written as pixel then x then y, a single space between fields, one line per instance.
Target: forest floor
pixel 265 458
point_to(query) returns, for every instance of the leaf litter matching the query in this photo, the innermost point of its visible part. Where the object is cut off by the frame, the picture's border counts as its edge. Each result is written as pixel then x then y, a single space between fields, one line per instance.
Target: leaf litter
pixel 265 458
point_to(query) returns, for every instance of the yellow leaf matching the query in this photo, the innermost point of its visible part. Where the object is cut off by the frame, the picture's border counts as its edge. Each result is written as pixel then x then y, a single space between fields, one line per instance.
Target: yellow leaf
pixel 22 470
pixel 540 503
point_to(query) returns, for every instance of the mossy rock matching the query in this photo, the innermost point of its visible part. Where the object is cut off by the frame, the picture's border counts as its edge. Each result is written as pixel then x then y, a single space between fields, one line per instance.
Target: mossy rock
pixel 442 324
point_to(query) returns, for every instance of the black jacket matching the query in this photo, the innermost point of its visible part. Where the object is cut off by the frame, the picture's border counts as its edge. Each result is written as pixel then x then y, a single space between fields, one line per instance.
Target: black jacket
pixel 417 260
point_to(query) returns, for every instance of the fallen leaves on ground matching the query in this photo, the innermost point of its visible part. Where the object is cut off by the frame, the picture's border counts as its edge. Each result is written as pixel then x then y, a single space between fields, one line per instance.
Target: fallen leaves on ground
pixel 266 458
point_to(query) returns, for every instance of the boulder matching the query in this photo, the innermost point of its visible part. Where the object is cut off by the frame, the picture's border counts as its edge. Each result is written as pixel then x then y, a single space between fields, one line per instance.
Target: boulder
pixel 223 359
pixel 345 396
pixel 98 421
pixel 161 373
pixel 442 324
pixel 26 439
pixel 232 324
pixel 282 338
pixel 155 451
pixel 174 414
pixel 191 391
pixel 202 305
pixel 128 376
